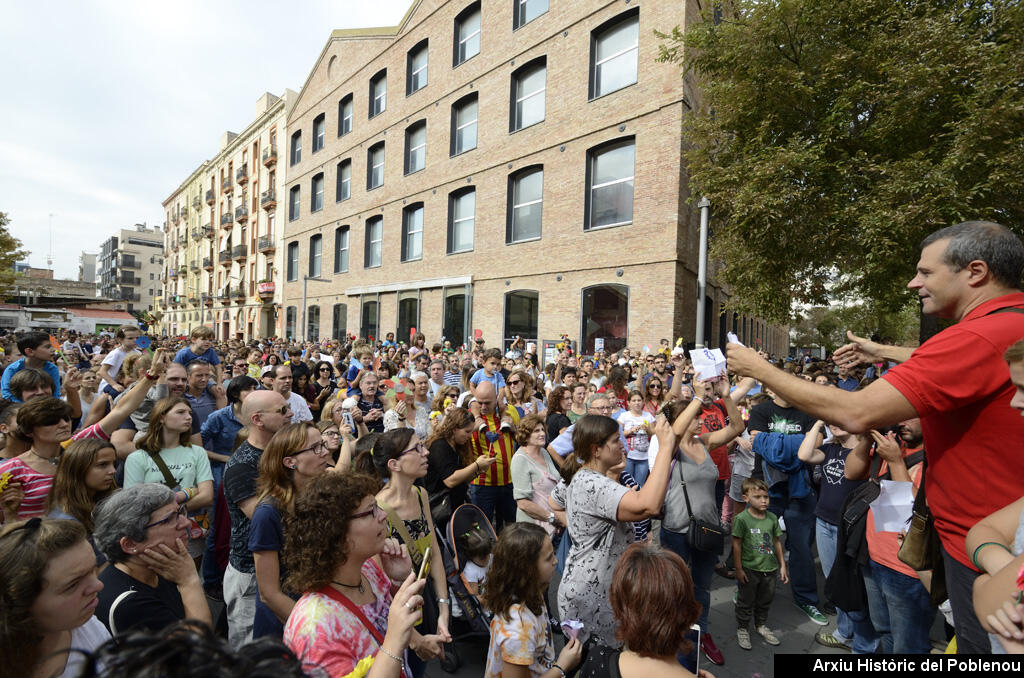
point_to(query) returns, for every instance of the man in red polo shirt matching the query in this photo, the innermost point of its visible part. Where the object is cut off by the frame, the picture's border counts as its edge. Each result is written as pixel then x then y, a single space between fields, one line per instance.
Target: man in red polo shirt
pixel 492 489
pixel 956 383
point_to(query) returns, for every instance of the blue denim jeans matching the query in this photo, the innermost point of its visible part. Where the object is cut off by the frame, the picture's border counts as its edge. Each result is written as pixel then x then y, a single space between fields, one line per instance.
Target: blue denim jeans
pixel 799 516
pixel 639 469
pixel 495 502
pixel 855 626
pixel 901 610
pixel 212 574
pixel 702 567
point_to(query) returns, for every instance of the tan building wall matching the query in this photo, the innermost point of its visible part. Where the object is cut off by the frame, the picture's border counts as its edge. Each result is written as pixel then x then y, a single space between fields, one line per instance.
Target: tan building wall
pixel 653 257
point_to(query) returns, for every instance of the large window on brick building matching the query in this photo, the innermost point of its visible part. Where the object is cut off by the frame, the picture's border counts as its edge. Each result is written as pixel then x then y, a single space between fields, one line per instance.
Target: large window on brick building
pixel 456 319
pixel 343 185
pixel 464 118
pixel 293 261
pixel 294 202
pixel 319 132
pixel 345 108
pixel 295 152
pixel 605 315
pixel 467 34
pixel 614 49
pixel 525 202
pixel 339 321
pixel 526 11
pixel 313 323
pixel 416 68
pixel 610 169
pixel 289 322
pixel 375 166
pixel 341 248
pixel 316 255
pixel 369 318
pixel 416 147
pixel 522 310
pixel 316 193
pixel 461 219
pixel 374 240
pixel 408 313
pixel 412 232
pixel 378 93
pixel 527 98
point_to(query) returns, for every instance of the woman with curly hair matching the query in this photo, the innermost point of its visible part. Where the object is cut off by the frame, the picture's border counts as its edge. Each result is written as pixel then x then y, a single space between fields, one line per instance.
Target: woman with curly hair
pixel 654 395
pixel 522 645
pixel 293 457
pixel 360 599
pixel 400 458
pixel 451 463
pixel 534 475
pixel 559 401
pixel 49 589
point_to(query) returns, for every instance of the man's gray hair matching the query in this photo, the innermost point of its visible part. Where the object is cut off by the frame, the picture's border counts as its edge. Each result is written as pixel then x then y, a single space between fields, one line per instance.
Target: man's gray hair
pixel 126 514
pixel 594 398
pixel 987 241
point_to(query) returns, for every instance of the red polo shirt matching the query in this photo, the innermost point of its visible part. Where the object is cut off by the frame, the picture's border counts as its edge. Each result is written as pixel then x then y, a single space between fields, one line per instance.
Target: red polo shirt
pixel 713 418
pixel 960 386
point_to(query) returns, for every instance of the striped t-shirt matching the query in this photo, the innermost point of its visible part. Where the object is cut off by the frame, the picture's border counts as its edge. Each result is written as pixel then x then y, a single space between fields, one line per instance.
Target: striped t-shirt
pixel 35 485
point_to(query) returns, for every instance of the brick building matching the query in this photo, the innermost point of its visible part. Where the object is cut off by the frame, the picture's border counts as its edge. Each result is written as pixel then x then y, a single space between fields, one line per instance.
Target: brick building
pixel 509 167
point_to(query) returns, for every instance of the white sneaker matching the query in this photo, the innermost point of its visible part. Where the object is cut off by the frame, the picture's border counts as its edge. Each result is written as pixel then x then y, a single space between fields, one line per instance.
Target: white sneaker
pixel 767 634
pixel 743 638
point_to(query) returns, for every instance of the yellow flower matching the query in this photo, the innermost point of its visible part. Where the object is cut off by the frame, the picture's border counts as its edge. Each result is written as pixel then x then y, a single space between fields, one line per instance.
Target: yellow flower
pixel 362 668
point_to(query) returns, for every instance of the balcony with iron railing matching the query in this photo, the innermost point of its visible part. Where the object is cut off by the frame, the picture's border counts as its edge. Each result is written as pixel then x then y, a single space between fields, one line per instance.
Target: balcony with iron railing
pixel 208 263
pixel 241 214
pixel 224 258
pixel 239 252
pixel 210 197
pixel 175 218
pixel 196 202
pixel 270 156
pixel 184 212
pixel 238 291
pixel 208 299
pixel 128 279
pixel 207 231
pixel 268 199
pixel 227 186
pixel 182 269
pixel 129 262
pixel 227 219
pixel 193 299
pixel 182 241
pixel 265 244
pixel 225 294
pixel 193 266
pixel 241 175
pixel 196 232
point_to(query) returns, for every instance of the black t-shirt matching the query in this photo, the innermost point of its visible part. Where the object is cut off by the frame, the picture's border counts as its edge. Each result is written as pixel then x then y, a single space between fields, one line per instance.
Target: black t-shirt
pixel 770 418
pixel 556 421
pixel 240 475
pixel 150 609
pixel 442 462
pixel 834 484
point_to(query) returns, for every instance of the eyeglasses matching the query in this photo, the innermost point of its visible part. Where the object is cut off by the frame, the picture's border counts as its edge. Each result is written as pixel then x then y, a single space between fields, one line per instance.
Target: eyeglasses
pixel 376 511
pixel 320 449
pixel 332 433
pixel 517 381
pixel 180 512
pixel 654 386
pixel 419 447
pixel 241 366
pixel 325 369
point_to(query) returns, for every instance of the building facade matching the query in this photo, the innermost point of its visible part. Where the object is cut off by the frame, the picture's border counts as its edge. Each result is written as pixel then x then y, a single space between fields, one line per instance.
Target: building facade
pixel 130 267
pixel 499 169
pixel 223 235
pixel 87 268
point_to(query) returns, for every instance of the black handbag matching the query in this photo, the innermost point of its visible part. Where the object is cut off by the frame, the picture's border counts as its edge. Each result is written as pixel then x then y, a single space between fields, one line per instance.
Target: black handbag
pixel 703 536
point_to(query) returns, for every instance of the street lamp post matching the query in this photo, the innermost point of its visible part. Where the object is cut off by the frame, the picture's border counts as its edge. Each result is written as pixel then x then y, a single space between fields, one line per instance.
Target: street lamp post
pixel 702 269
pixel 305 280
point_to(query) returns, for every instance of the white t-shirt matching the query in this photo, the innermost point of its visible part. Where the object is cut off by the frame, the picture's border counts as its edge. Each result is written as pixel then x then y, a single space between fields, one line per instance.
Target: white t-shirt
pixel 637 444
pixel 300 408
pixel 84 639
pixel 114 359
pixel 475 574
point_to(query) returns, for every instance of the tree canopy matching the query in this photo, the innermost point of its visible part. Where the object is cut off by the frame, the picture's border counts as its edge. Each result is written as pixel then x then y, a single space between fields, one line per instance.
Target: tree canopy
pixel 834 135
pixel 10 252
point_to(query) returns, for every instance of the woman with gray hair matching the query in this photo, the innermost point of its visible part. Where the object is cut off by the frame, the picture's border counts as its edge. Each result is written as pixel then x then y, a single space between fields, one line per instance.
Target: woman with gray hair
pixel 152 581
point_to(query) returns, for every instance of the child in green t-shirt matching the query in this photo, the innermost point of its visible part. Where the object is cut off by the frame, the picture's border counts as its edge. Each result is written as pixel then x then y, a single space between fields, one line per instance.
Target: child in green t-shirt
pixel 757 552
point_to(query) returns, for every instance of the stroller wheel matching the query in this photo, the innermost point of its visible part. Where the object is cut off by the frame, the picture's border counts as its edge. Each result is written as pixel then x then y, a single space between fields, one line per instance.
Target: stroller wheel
pixel 450 663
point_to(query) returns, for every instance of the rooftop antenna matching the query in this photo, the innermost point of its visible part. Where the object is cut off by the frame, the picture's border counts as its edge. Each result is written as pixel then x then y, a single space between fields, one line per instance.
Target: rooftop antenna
pixel 49 256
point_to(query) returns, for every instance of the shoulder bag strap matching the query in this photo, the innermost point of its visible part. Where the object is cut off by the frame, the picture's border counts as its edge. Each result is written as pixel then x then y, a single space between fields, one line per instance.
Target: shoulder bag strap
pixel 169 479
pixel 113 606
pixel 399 526
pixel 1006 309
pixel 686 495
pixel 333 594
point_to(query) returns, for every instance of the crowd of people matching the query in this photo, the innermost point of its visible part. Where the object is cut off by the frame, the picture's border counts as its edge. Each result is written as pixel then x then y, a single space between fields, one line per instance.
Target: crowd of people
pixel 309 487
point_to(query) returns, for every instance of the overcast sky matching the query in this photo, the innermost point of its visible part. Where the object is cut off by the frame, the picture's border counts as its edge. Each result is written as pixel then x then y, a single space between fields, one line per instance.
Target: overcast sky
pixel 107 105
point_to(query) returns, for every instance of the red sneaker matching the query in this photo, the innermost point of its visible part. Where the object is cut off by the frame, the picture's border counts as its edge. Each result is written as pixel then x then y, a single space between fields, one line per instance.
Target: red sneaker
pixel 711 650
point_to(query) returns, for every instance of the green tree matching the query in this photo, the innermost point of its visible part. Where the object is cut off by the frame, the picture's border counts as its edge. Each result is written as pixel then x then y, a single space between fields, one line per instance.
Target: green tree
pixel 10 252
pixel 833 135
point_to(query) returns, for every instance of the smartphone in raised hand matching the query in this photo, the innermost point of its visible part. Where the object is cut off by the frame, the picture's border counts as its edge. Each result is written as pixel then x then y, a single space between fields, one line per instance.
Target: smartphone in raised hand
pixel 424 565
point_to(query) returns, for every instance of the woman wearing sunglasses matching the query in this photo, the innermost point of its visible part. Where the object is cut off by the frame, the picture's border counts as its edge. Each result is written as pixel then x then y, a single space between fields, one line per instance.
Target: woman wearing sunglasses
pixel 322 384
pixel 151 581
pixel 520 393
pixel 294 456
pixel 338 554
pixel 400 457
pixel 654 395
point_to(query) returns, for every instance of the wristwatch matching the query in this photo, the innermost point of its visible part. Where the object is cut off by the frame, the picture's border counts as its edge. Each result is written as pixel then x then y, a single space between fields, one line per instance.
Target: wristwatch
pixel 551 517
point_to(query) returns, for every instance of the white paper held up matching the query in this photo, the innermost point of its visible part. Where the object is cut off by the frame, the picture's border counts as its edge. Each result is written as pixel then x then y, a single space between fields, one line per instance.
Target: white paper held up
pixel 894 506
pixel 708 364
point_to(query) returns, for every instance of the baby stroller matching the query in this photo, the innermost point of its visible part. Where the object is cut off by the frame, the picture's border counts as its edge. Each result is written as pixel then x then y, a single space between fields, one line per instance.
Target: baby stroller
pixel 475 620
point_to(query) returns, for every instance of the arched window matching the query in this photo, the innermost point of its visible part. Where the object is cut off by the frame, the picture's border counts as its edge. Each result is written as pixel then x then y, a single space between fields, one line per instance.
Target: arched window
pixel 605 315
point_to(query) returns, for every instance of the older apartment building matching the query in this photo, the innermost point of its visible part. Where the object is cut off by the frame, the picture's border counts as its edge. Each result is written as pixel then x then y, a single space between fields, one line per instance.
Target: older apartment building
pixel 223 234
pixel 502 168
pixel 130 267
